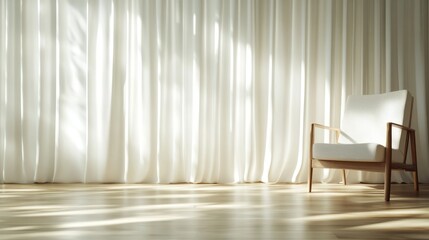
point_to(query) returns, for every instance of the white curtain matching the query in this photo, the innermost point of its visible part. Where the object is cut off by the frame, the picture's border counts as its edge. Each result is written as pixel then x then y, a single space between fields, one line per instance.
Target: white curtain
pixel 196 91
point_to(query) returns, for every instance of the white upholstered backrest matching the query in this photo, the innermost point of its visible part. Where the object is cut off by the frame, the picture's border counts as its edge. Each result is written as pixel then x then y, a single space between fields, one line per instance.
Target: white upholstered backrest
pixel 365 117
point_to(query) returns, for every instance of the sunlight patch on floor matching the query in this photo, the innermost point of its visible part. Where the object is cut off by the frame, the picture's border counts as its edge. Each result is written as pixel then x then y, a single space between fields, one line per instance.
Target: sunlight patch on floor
pixel 121 221
pixel 399 225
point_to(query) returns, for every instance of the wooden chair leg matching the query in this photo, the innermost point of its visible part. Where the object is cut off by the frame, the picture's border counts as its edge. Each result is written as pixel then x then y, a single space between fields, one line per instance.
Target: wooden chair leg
pixel 387 183
pixel 414 160
pixel 416 181
pixel 310 177
pixel 388 163
pixel 344 177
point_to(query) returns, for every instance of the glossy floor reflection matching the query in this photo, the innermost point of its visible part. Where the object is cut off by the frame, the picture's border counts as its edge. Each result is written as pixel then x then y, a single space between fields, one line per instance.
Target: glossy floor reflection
pixel 205 211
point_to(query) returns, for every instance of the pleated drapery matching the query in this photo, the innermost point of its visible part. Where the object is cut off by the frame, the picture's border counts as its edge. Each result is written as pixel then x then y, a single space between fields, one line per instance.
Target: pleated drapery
pixel 196 91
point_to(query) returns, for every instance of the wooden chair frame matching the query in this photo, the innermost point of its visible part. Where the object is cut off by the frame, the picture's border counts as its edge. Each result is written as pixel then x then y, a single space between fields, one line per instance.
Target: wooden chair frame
pixel 386 166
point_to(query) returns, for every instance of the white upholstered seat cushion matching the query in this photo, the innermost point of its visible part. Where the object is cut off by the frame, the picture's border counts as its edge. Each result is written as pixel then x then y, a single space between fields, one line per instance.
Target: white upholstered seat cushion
pixel 361 152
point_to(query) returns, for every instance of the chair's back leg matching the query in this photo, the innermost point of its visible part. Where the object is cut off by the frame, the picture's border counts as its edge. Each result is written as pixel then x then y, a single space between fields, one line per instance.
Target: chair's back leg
pixel 416 181
pixel 344 177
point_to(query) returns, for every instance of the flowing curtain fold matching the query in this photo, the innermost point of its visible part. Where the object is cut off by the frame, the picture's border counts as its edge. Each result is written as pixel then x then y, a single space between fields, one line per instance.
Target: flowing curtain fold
pixel 197 91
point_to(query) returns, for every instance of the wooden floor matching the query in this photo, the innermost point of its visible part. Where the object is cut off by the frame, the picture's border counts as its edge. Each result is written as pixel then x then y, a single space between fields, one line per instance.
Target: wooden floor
pixel 205 211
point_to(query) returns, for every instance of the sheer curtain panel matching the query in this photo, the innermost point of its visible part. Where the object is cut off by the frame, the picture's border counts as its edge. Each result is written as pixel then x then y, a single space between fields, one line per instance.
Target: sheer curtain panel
pixel 196 91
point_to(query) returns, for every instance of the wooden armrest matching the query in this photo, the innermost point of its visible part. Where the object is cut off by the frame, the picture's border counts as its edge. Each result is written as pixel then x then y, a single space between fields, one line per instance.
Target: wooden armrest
pixel 325 127
pixel 410 136
pixel 316 125
pixel 390 124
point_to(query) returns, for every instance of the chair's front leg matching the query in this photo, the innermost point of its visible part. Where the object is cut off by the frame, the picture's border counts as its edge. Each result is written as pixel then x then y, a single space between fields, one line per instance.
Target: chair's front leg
pixel 387 182
pixel 388 163
pixel 414 160
pixel 310 177
pixel 310 163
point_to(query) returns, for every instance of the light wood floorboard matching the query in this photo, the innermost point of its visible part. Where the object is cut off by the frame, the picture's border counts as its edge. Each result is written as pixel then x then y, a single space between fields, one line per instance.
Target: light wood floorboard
pixel 211 211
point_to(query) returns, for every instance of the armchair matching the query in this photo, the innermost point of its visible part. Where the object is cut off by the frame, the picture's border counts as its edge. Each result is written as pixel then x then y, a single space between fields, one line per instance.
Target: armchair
pixel 375 135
